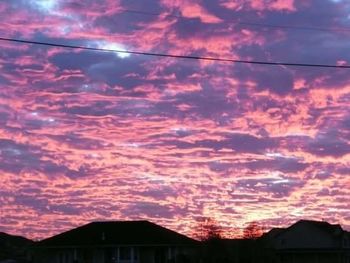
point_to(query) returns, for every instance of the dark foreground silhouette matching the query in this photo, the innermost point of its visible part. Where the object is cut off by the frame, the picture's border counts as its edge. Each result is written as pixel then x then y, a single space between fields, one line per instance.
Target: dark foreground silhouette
pixel 145 242
pixel 14 248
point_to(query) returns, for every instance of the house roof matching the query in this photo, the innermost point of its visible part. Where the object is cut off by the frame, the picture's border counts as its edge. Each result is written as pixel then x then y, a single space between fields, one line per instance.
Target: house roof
pixel 334 230
pixel 136 233
pixel 272 233
pixel 13 247
pixel 15 240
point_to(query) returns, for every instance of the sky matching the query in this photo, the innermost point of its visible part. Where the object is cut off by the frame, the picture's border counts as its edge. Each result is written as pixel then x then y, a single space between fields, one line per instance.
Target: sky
pixel 90 136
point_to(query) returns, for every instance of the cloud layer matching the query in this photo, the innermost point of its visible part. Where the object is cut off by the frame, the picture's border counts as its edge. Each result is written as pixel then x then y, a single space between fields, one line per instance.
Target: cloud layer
pixel 100 136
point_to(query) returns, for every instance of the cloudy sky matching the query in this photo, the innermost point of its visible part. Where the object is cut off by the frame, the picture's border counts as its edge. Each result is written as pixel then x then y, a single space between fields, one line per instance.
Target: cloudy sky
pixel 90 135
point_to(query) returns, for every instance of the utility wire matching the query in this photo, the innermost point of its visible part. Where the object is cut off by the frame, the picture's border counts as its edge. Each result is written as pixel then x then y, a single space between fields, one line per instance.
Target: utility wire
pixel 216 59
pixel 326 29
pixel 250 23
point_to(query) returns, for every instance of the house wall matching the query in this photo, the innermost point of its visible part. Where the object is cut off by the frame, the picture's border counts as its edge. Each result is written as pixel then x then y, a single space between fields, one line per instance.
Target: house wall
pixel 310 244
pixel 114 255
pixel 311 257
pixel 54 256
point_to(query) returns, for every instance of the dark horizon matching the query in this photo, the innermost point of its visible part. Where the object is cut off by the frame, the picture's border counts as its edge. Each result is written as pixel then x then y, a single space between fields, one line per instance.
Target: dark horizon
pixel 144 242
pixel 210 229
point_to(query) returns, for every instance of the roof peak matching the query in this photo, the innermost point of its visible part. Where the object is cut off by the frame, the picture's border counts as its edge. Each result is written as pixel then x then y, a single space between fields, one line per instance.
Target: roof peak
pixel 317 222
pixel 135 232
pixel 120 221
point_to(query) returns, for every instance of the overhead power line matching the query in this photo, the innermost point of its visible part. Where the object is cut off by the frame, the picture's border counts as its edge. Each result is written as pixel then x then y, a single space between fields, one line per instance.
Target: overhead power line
pixel 327 29
pixel 216 59
pixel 250 23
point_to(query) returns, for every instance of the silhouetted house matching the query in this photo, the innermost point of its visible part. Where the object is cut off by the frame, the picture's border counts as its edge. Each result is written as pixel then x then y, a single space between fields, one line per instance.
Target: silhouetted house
pixel 309 242
pixel 116 242
pixel 14 249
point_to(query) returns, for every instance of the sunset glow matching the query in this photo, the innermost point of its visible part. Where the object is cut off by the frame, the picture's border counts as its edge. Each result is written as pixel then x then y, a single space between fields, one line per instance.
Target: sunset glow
pixel 88 135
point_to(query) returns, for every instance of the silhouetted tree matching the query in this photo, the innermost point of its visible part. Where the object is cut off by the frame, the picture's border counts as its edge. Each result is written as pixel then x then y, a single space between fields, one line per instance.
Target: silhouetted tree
pixel 252 231
pixel 213 249
pixel 208 229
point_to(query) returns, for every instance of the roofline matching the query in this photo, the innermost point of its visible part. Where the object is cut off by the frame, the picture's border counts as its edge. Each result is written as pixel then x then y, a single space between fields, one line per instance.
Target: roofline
pixel 16 236
pixel 283 230
pixel 91 223
pixel 189 239
pixel 317 221
pixel 118 221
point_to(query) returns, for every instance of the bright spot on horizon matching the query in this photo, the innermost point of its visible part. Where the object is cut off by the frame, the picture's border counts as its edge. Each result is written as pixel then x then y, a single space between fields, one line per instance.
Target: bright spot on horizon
pixel 114 46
